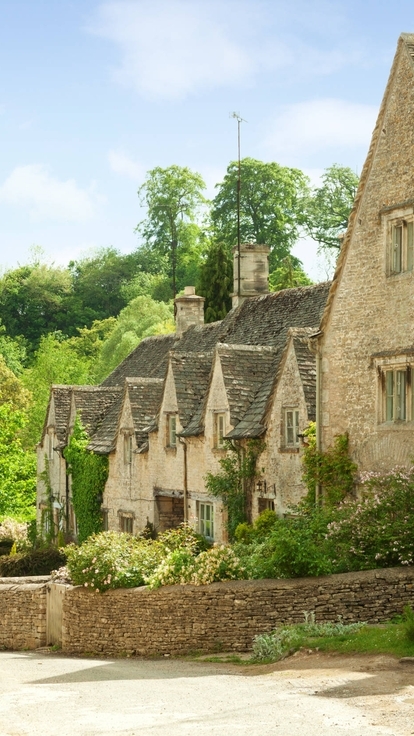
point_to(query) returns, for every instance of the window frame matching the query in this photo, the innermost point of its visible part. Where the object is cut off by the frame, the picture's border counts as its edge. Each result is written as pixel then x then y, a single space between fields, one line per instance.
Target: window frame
pixel 396 393
pixel 400 245
pixel 220 417
pixel 126 522
pixel 127 448
pixel 292 442
pixel 205 524
pixel 171 430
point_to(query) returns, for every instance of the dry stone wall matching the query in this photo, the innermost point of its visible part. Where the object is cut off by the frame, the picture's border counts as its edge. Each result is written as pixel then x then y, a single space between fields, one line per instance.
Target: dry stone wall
pixel 22 613
pixel 223 616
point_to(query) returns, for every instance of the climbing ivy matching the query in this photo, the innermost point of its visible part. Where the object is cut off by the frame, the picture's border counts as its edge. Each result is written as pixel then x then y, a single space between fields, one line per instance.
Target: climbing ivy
pixel 333 470
pixel 89 474
pixel 235 482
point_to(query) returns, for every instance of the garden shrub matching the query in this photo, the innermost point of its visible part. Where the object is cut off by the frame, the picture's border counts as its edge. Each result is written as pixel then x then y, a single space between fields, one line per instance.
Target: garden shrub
pixel 112 560
pixel 377 529
pixel 333 470
pixel 35 562
pixel 175 569
pixel 216 564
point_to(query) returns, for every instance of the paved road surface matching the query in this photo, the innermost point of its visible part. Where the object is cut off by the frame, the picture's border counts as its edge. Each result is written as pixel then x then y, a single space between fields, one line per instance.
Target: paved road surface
pixel 45 694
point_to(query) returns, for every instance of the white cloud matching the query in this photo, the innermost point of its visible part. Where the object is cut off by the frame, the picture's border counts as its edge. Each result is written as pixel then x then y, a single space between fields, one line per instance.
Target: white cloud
pixel 321 124
pixel 122 164
pixel 47 198
pixel 171 48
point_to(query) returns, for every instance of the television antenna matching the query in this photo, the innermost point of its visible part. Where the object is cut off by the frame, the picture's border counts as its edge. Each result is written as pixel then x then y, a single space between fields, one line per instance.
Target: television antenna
pixel 238 117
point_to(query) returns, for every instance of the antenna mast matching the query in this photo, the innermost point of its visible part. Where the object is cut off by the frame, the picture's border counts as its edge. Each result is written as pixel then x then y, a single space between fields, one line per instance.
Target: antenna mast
pixel 237 116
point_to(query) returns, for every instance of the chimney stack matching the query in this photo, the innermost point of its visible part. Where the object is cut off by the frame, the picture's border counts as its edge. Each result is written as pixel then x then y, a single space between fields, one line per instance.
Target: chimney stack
pixel 189 310
pixel 254 272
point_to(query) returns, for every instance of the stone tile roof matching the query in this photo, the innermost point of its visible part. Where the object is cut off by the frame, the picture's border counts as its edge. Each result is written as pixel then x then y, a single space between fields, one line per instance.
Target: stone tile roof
pixel 61 396
pixel 145 397
pixel 253 423
pixel 307 368
pixel 149 360
pixel 244 368
pixel 103 438
pixel 93 403
pixel 191 377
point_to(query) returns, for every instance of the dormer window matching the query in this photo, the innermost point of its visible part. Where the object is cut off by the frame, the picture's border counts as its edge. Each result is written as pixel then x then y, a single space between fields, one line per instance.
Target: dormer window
pixel 171 430
pixel 127 449
pixel 219 430
pixel 292 427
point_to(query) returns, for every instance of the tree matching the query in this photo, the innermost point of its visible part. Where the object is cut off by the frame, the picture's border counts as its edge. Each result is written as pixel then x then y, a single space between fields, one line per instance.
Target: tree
pixel 215 282
pixel 55 361
pixel 12 390
pixel 173 197
pixel 32 301
pixel 329 206
pixel 288 275
pixel 98 287
pixel 17 467
pixel 271 206
pixel 141 318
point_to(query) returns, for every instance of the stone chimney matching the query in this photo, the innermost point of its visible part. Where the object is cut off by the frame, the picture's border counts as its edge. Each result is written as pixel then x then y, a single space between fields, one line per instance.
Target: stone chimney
pixel 189 310
pixel 254 272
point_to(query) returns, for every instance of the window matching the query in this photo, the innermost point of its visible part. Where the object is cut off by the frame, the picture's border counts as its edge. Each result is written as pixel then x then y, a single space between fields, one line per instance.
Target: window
pixel 105 520
pixel 291 427
pixel 396 388
pixel 126 522
pixel 265 504
pixel 171 430
pixel 219 430
pixel 206 519
pixel 127 449
pixel 50 447
pixel 401 247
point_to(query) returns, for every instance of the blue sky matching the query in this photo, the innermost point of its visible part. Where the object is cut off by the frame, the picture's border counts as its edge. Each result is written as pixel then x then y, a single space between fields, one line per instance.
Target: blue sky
pixel 94 94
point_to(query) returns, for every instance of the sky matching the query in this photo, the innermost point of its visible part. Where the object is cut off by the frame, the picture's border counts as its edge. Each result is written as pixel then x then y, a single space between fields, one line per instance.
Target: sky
pixel 95 94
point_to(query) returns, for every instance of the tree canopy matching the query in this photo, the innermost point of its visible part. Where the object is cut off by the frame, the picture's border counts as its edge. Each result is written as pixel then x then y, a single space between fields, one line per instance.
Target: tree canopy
pixel 173 197
pixel 271 206
pixel 329 206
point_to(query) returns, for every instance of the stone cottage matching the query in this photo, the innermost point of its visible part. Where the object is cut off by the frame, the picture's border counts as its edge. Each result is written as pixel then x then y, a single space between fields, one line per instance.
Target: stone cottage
pixel 365 343
pixel 163 414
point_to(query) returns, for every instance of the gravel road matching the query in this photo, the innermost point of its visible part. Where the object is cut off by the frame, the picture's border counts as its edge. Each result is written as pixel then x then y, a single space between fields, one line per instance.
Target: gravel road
pixel 44 694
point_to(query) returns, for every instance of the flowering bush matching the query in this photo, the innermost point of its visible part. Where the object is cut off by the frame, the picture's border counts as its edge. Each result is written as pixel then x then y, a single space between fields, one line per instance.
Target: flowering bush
pixel 112 560
pixel 376 530
pixel 183 537
pixel 217 563
pixel 12 529
pixel 176 569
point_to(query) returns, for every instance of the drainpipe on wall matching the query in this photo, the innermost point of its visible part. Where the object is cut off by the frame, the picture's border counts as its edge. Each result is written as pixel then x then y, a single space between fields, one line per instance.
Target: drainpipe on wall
pixel 315 349
pixel 184 444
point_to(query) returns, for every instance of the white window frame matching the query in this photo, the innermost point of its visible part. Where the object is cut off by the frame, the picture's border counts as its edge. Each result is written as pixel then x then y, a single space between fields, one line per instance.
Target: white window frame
pixel 400 252
pixel 206 519
pixel 396 393
pixel 220 430
pixel 127 442
pixel 291 427
pixel 171 430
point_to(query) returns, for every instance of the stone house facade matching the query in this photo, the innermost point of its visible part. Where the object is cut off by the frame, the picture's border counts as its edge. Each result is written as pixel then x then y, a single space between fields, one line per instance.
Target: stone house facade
pixel 366 340
pixel 163 414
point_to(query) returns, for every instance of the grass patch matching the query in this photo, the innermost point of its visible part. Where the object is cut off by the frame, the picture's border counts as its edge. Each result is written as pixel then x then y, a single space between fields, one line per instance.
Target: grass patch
pixel 387 638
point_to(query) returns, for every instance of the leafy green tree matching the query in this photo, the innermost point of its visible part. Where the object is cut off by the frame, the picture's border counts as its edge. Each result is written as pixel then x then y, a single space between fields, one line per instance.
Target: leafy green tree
pixel 98 287
pixel 271 206
pixel 12 351
pixel 173 197
pixel 288 275
pixel 55 361
pixel 215 282
pixel 17 467
pixel 12 390
pixel 33 301
pixel 141 318
pixel 329 206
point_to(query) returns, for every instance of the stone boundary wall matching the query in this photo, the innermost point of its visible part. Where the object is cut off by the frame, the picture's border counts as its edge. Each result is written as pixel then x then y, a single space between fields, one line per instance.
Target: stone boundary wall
pixel 186 618
pixel 23 612
pixel 223 616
